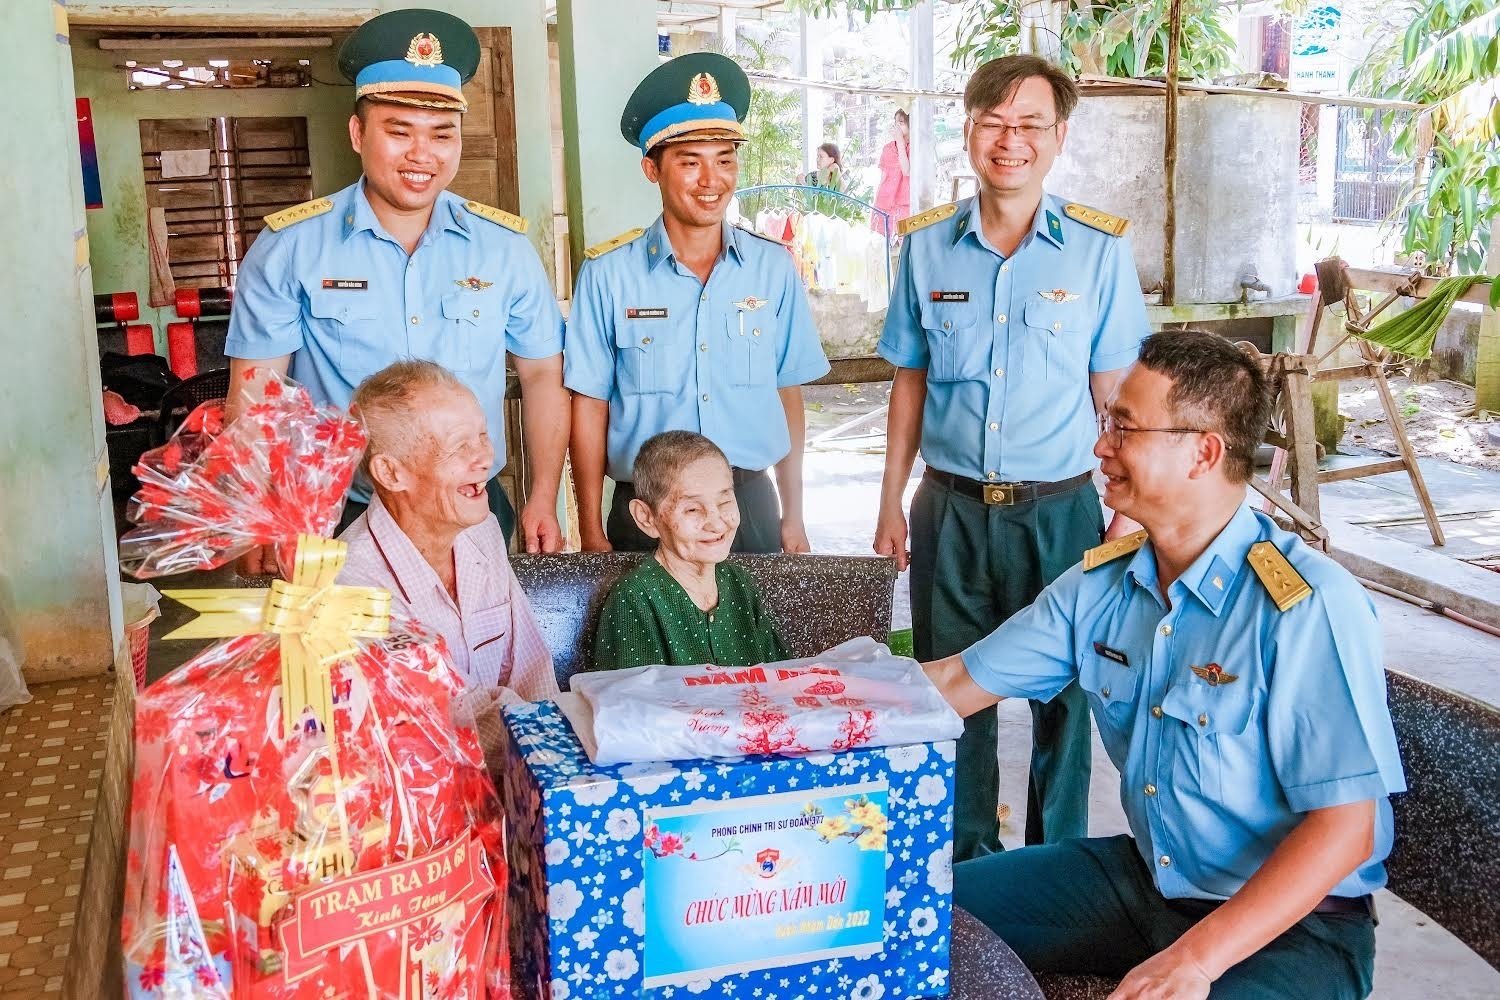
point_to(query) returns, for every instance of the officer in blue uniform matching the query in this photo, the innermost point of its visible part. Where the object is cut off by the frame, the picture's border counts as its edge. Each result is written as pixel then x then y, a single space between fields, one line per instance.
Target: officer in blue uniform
pixel 691 324
pixel 395 266
pixel 1236 679
pixel 1014 315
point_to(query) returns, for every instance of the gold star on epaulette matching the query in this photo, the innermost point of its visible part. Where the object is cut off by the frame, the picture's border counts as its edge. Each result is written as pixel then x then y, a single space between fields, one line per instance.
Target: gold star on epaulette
pixel 922 220
pixel 600 249
pixel 1282 582
pixel 277 221
pixel 498 216
pixel 1110 551
pixel 1095 219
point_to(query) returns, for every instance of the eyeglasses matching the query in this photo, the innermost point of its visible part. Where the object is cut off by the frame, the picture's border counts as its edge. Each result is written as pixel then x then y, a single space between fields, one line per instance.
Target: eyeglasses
pixel 992 130
pixel 1114 434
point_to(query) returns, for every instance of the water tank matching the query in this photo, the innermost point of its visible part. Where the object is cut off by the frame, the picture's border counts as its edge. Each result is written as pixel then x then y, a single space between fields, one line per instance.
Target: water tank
pixel 1236 185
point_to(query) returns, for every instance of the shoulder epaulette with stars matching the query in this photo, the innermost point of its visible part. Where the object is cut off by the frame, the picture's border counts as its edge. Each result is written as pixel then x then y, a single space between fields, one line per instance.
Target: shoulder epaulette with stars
pixel 277 221
pixel 498 216
pixel 922 220
pixel 600 249
pixel 1110 551
pixel 1095 219
pixel 765 236
pixel 1282 582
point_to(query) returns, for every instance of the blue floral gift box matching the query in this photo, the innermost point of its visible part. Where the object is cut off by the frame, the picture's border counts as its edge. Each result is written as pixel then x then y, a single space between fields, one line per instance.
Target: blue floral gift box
pixel 825 876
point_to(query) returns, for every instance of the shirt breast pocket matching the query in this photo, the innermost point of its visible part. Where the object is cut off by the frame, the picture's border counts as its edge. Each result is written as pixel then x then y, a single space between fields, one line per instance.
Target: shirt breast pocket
pixel 469 321
pixel 1211 724
pixel 954 353
pixel 643 363
pixel 1057 340
pixel 350 319
pixel 751 336
pixel 484 628
pixel 1111 688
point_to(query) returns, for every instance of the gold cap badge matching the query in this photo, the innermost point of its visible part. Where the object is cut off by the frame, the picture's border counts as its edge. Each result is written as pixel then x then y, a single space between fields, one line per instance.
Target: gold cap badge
pixel 425 50
pixel 704 89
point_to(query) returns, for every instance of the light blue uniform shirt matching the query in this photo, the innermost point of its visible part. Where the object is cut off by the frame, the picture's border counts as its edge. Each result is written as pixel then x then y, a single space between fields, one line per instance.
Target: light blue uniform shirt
pixel 1008 343
pixel 668 352
pixel 1213 778
pixel 341 296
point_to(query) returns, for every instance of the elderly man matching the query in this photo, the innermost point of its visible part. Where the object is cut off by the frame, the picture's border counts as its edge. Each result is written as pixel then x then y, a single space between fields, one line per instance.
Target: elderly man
pixel 1236 679
pixel 429 537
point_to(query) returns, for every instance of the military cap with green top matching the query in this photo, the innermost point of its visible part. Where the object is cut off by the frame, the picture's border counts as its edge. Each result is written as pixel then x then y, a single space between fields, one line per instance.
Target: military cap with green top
pixel 417 57
pixel 696 97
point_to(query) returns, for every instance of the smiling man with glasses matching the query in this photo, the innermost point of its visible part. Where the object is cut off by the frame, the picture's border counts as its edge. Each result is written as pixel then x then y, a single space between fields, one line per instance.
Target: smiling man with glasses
pixel 1014 316
pixel 1237 681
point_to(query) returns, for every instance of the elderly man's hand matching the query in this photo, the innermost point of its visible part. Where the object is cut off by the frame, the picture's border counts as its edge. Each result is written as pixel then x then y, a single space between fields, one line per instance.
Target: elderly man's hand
pixel 540 531
pixel 1172 974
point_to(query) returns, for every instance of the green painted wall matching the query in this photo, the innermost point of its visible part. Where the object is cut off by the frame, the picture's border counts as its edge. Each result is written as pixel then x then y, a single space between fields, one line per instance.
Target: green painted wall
pixel 117 231
pixel 56 530
pixel 603 51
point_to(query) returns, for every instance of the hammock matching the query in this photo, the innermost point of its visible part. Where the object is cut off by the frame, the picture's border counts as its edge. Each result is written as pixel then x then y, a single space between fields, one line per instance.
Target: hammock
pixel 1412 332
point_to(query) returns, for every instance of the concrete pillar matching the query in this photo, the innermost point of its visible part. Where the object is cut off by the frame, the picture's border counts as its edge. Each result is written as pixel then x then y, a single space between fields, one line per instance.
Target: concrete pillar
pixel 56 520
pixel 923 142
pixel 1487 355
pixel 728 31
pixel 604 50
pixel 1041 28
pixel 814 101
pixel 1328 158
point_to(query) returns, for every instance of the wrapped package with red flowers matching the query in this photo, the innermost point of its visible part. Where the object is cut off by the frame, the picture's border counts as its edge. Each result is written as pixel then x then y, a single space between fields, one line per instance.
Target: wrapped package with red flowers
pixel 308 817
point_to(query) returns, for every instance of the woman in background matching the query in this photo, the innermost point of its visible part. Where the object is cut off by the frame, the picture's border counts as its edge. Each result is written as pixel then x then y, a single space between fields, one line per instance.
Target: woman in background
pixel 893 197
pixel 830 172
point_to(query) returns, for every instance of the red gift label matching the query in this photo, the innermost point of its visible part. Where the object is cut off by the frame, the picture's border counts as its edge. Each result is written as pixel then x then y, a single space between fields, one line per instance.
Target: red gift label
pixel 383 900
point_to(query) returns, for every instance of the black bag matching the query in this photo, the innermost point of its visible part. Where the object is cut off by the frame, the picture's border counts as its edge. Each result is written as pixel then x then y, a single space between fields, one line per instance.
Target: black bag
pixel 140 379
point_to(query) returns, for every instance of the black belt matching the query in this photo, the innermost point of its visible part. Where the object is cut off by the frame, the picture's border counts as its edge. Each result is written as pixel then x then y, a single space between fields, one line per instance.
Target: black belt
pixel 1328 904
pixel 1004 494
pixel 741 476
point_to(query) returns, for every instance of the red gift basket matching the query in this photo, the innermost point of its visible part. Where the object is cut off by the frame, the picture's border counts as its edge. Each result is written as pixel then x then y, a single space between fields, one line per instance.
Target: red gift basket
pixel 308 818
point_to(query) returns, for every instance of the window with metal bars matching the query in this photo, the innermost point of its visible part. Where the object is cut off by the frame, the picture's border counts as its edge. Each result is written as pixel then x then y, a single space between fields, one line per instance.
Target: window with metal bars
pixel 209 183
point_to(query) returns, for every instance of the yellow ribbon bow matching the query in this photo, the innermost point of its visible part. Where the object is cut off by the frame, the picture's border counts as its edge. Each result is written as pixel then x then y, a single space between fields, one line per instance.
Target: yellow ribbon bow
pixel 317 619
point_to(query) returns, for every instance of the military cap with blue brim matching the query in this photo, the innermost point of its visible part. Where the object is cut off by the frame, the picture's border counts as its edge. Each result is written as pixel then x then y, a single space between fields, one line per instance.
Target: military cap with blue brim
pixel 697 97
pixel 416 57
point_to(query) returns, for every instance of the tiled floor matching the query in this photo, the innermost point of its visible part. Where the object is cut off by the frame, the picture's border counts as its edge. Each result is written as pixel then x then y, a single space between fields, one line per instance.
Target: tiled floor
pixel 51 755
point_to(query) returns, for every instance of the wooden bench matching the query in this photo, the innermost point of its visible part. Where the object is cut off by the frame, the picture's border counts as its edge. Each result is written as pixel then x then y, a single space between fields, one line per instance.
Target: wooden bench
pixel 1446 858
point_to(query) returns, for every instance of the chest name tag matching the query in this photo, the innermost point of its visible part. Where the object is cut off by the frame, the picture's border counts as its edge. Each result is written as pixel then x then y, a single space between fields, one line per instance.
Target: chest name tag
pixel 646 312
pixel 355 284
pixel 950 296
pixel 1111 654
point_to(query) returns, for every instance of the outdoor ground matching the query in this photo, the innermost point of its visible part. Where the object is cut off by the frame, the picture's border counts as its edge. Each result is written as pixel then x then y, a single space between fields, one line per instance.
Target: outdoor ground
pixel 1439 417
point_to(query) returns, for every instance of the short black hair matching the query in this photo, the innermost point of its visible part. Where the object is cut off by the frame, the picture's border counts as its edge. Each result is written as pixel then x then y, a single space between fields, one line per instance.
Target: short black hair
pixel 997 80
pixel 663 457
pixel 1215 386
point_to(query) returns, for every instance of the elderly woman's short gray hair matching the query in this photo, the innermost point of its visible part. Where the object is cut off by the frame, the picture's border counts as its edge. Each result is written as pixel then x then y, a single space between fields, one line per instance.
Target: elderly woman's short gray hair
pixel 385 402
pixel 660 462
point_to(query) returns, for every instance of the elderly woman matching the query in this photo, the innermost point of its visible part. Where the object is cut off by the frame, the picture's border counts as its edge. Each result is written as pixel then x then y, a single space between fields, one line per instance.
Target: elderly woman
pixel 429 537
pixel 685 605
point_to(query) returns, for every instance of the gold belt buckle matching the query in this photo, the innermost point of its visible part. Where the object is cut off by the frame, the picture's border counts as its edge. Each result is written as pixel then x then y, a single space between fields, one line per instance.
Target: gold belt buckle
pixel 1002 494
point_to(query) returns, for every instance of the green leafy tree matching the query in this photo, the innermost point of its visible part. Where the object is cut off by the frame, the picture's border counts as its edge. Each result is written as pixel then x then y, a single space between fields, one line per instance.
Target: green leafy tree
pixel 773 126
pixel 1447 58
pixel 1110 37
